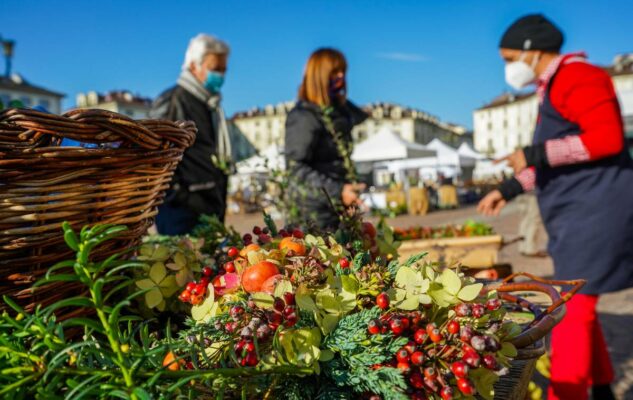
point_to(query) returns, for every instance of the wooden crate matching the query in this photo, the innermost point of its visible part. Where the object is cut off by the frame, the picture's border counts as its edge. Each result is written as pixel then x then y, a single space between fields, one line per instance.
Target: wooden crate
pixel 474 252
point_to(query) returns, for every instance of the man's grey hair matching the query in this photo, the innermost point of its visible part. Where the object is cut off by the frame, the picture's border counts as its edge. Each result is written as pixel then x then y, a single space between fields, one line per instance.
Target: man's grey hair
pixel 201 45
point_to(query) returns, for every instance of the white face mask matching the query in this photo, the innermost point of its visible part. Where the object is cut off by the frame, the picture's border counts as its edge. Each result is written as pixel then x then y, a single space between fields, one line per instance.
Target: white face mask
pixel 519 74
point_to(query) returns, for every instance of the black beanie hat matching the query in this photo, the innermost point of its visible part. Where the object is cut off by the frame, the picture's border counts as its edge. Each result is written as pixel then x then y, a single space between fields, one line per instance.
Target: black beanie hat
pixel 532 32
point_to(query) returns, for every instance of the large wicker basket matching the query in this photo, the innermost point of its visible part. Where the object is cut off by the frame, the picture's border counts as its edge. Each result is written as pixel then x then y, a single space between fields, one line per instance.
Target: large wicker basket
pixel 122 181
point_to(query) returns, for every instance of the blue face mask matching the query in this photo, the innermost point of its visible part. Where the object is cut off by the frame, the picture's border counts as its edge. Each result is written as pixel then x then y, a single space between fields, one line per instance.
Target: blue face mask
pixel 214 81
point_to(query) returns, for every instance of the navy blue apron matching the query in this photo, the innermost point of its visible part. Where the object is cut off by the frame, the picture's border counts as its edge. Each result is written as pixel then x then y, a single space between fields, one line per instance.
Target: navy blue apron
pixel 587 210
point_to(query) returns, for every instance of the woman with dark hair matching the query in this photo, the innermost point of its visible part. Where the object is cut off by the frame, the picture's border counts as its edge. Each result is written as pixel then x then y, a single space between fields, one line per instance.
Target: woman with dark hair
pixel 319 142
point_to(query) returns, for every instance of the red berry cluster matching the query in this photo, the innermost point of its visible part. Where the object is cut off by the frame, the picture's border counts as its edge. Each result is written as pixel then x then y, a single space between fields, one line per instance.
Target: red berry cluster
pixel 284 312
pixel 437 359
pixel 195 292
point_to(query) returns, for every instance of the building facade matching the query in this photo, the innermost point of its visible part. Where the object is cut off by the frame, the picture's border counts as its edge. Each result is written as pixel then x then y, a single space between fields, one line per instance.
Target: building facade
pixel 508 121
pixel 17 90
pixel 266 126
pixel 119 101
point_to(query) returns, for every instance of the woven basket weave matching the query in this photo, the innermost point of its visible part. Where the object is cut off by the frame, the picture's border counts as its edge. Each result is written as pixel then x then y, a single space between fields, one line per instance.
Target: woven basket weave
pixel 42 184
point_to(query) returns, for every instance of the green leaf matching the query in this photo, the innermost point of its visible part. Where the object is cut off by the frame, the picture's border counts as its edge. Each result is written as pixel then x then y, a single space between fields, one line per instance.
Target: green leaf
pixel 328 323
pixel 508 350
pixel 470 292
pixel 350 283
pixel 484 381
pixel 326 355
pixel 442 297
pixel 414 259
pixel 283 286
pixel 304 299
pixel 451 282
pixel 141 394
pixel 263 300
pixel 409 303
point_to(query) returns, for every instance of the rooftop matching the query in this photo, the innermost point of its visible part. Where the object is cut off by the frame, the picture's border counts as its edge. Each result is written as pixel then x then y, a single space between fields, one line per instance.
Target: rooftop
pixel 18 83
pixel 120 96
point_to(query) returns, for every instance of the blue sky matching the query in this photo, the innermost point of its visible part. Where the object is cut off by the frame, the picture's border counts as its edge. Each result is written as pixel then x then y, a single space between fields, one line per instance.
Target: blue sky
pixel 440 56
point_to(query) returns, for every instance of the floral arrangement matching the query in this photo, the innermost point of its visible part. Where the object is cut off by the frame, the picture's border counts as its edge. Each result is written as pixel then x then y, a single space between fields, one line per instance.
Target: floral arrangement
pixel 283 314
pixel 468 229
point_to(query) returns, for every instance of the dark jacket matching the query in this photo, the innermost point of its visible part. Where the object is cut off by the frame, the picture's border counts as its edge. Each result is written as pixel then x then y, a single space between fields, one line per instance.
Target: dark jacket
pixel 198 184
pixel 314 161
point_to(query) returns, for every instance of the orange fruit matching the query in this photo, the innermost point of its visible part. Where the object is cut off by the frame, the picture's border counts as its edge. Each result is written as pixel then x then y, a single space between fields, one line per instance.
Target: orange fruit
pixel 170 362
pixel 254 277
pixel 290 243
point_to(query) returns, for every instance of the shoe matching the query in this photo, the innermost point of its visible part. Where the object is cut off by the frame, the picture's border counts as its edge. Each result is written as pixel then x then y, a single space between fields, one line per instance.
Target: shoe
pixel 602 392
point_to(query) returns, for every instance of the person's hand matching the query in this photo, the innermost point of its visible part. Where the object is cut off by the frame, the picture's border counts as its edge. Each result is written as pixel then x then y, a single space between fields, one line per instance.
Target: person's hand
pixel 516 161
pixel 491 204
pixel 351 192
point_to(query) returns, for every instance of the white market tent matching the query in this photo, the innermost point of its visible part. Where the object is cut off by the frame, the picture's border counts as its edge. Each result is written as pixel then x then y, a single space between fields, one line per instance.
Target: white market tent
pixel 386 145
pixel 446 155
pixel 467 151
pixel 271 158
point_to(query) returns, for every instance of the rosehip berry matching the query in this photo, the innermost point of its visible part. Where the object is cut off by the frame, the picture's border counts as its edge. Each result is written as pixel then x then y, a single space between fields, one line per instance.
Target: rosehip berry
pixel 410 346
pixel 493 304
pixel 478 343
pixel 430 327
pixel 257 230
pixel 396 326
pixel 229 267
pixel 447 393
pixel 233 252
pixel 289 310
pixel 289 298
pixel 462 310
pixel 466 333
pixel 478 310
pixel 459 369
pixel 420 336
pixel 199 290
pixel 263 332
pixel 185 296
pixel 247 238
pixel 204 281
pixel 265 231
pixel 264 238
pixel 466 386
pixel 283 233
pixel 236 312
pixel 404 367
pixel 230 326
pixel 275 318
pixel 190 286
pixel 453 327
pixel 430 373
pixel 373 327
pixel 382 301
pixel 489 361
pixel 406 322
pixel 402 355
pixel 472 359
pixel 436 336
pixel 344 263
pixel 251 359
pixel 416 380
pixel 249 347
pixel 291 320
pixel 417 358
pixel 418 396
pixel 297 233
pixel 196 299
pixel 278 304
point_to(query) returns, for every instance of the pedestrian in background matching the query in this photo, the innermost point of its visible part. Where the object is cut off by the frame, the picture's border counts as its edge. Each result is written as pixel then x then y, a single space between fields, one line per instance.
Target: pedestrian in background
pixel 531 227
pixel 583 177
pixel 199 185
pixel 319 141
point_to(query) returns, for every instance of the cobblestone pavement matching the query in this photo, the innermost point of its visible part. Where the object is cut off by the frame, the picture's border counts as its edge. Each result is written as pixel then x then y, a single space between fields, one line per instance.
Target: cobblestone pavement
pixel 616 309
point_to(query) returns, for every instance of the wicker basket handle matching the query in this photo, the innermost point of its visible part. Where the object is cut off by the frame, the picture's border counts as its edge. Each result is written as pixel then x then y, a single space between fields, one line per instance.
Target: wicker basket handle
pixel 97 126
pixel 544 321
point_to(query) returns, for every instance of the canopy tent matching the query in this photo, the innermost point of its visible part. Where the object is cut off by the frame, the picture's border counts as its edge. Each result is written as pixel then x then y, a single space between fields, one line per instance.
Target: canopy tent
pixel 467 151
pixel 386 145
pixel 447 155
pixel 271 158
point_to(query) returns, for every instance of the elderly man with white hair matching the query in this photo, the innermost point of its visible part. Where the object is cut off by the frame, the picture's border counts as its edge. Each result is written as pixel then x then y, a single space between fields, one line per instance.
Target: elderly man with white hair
pixel 199 185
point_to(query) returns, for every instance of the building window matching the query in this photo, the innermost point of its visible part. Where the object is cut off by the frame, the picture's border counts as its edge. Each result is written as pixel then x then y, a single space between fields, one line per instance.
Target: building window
pixel 505 123
pixel 45 103
pixel 491 147
pixel 26 101
pixel 5 99
pixel 489 125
